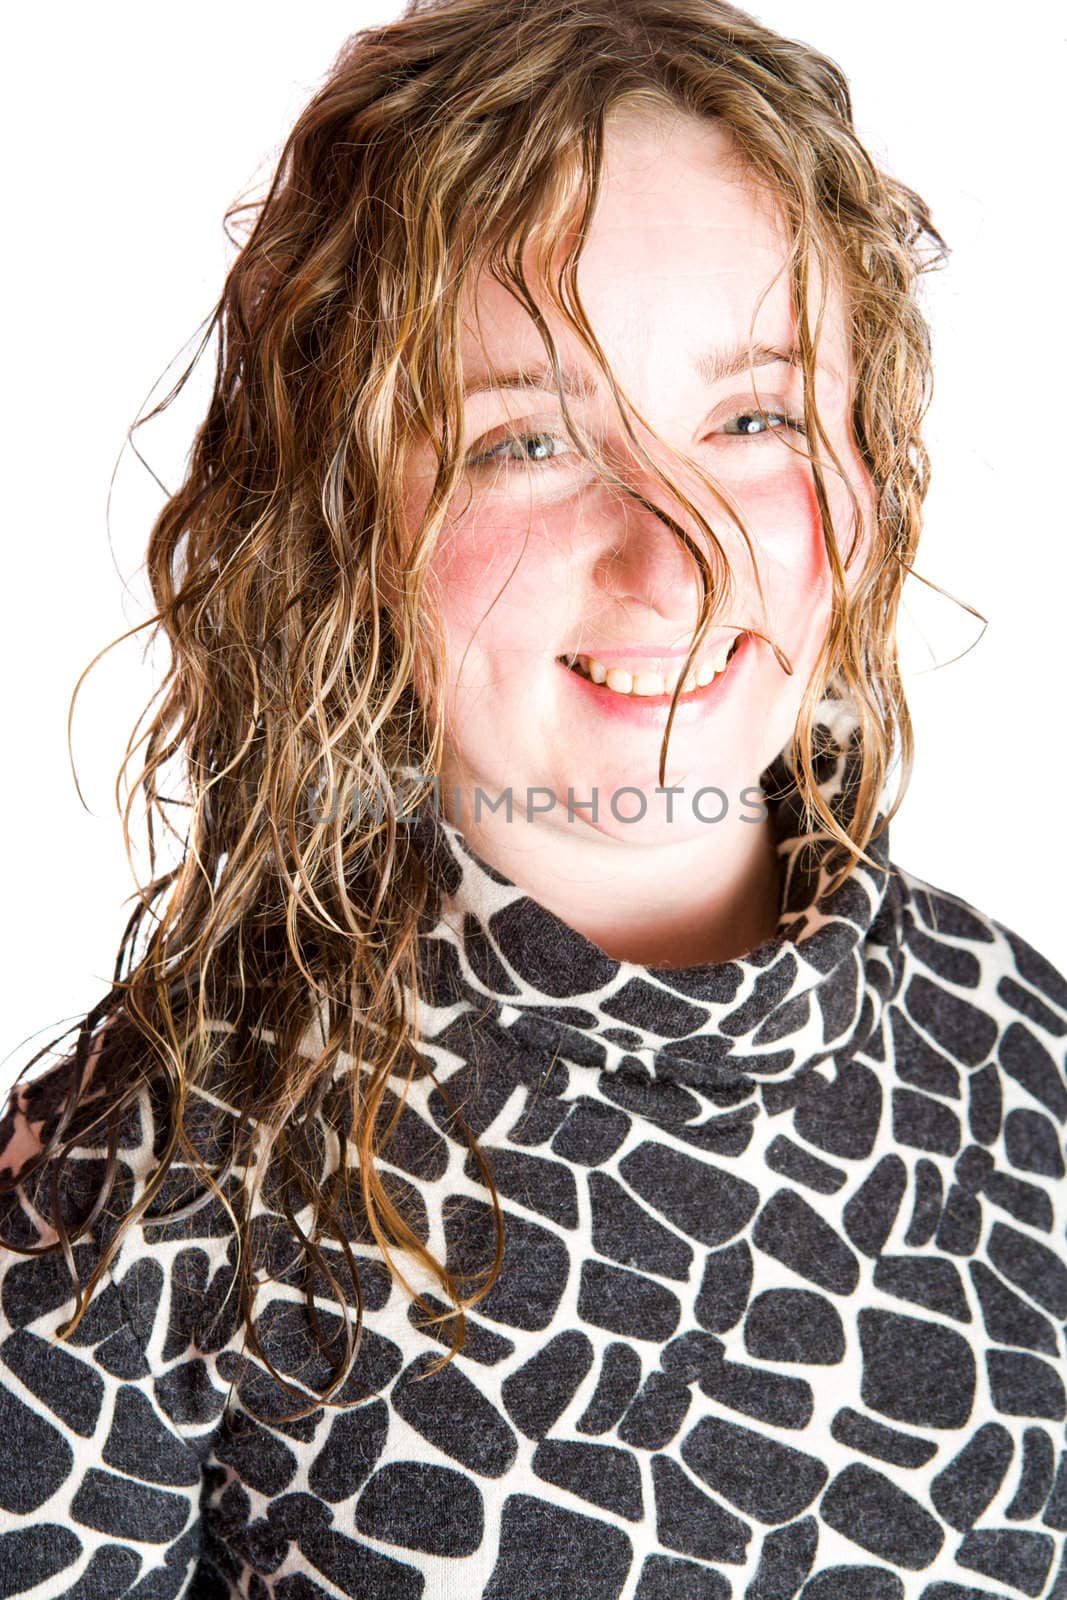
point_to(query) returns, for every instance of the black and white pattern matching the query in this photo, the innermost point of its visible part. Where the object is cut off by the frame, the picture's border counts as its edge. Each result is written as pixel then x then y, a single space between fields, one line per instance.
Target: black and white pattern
pixel 782 1311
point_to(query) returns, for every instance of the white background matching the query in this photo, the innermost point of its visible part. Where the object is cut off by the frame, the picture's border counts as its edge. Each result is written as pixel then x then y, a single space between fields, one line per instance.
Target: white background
pixel 128 129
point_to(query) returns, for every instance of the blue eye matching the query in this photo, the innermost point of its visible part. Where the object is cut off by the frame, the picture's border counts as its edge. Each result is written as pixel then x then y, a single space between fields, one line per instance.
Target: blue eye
pixel 524 449
pixel 542 448
pixel 753 424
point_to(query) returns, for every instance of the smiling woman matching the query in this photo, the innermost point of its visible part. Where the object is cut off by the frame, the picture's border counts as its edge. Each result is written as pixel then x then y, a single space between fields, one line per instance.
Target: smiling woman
pixel 559 479
pixel 682 246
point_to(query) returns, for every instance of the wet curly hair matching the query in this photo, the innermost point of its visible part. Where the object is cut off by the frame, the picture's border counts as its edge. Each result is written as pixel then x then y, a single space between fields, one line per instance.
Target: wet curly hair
pixel 282 946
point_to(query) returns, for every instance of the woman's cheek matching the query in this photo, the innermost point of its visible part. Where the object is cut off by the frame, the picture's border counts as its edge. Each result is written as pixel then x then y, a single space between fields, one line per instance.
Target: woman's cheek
pixel 471 563
pixel 782 517
pixel 491 574
pixel 794 568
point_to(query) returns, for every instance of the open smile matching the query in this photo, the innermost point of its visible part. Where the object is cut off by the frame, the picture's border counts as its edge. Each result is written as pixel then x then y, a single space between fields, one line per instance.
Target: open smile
pixel 646 695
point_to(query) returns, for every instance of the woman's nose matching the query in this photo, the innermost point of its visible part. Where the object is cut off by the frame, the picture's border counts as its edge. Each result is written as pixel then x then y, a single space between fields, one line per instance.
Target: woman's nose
pixel 640 559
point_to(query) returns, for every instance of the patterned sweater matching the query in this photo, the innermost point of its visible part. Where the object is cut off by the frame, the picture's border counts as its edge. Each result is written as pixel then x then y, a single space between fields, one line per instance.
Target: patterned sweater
pixel 782 1308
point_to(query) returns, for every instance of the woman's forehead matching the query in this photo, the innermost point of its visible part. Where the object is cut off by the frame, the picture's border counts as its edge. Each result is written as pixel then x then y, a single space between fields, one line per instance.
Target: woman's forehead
pixel 683 249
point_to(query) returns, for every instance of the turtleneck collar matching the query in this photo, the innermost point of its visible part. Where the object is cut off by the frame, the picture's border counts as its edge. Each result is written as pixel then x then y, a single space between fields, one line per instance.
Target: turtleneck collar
pixel 815 990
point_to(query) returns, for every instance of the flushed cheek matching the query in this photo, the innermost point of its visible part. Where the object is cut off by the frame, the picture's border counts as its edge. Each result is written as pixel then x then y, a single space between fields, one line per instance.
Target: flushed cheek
pixel 790 552
pixel 498 586
pixel 483 565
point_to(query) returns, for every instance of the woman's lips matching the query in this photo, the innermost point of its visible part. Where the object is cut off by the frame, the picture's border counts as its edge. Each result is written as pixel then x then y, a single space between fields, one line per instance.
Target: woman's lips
pixel 654 708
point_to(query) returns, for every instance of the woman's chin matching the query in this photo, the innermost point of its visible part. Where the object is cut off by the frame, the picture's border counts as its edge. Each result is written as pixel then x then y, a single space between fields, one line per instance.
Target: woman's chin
pixel 624 801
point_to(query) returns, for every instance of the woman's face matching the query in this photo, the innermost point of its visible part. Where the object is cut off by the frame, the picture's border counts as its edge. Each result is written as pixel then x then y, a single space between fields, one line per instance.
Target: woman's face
pixel 541 559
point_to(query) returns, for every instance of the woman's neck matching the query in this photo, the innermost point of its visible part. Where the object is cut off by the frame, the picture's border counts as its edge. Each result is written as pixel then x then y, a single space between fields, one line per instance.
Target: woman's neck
pixel 708 898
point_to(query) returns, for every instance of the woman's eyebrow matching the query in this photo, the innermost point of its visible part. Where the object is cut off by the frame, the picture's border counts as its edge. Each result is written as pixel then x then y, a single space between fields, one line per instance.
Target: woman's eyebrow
pixel 712 365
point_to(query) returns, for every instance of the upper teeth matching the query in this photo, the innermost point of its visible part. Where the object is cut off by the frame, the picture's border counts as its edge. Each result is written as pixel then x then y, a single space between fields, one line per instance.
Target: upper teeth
pixel 651 681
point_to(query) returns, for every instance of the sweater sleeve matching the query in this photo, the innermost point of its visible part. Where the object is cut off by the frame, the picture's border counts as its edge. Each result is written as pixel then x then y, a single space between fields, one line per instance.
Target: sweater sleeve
pixel 103 1435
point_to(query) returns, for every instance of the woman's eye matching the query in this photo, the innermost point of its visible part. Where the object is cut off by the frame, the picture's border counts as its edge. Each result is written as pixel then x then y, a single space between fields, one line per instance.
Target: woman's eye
pixel 754 423
pixel 543 448
pixel 524 449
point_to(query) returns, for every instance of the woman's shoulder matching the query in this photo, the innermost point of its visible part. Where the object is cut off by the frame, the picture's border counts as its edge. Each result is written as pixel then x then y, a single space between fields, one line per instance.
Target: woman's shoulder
pixel 70 1103
pixel 992 957
pixel 105 1377
pixel 982 994
pixel 84 1157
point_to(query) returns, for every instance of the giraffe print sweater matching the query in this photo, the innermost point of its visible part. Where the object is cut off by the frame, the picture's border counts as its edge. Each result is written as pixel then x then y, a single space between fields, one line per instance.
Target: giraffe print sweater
pixel 782 1308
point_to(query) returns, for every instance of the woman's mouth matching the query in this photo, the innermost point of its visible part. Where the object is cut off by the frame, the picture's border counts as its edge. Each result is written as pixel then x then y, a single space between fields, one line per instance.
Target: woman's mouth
pixel 643 683
pixel 644 691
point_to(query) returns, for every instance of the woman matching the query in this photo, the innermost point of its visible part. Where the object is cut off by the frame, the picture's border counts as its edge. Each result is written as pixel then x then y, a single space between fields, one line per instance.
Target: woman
pixel 539 1144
